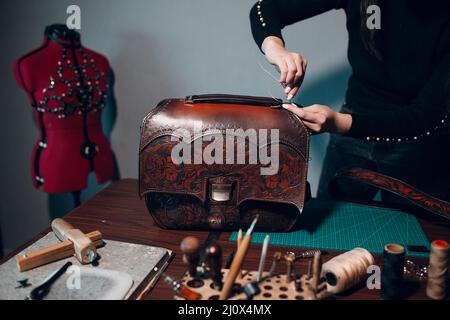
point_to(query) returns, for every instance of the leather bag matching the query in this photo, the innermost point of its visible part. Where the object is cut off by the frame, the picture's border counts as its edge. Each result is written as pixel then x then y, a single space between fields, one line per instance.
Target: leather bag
pixel 220 196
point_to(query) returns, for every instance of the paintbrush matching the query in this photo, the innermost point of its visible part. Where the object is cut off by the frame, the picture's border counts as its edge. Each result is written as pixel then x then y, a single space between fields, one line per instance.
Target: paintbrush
pixel 237 262
pixel 239 242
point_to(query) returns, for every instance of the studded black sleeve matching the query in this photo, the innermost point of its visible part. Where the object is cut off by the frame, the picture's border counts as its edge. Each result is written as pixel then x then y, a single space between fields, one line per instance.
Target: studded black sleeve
pixel 380 95
pixel 426 115
pixel 269 17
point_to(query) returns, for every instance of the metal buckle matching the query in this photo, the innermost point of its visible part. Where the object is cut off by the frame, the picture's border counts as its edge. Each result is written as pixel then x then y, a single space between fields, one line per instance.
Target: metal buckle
pixel 221 192
pixel 40 179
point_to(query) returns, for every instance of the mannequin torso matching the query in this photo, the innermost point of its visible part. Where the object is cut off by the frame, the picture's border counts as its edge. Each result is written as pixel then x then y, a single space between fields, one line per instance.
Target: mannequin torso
pixel 67 87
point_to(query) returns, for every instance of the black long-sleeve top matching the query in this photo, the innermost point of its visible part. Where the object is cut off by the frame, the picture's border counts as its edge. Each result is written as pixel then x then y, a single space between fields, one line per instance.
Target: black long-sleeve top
pixel 404 96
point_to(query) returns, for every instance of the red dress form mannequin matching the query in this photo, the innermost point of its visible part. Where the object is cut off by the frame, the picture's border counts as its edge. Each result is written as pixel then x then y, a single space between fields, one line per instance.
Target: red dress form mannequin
pixel 67 86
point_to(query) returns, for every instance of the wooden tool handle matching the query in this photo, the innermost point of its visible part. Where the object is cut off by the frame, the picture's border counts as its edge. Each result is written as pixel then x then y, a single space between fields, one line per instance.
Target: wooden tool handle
pixel 53 253
pixel 235 267
pixel 190 246
pixel 214 256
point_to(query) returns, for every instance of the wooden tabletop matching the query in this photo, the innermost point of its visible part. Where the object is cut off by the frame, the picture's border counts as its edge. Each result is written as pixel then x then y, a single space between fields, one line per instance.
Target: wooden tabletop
pixel 120 215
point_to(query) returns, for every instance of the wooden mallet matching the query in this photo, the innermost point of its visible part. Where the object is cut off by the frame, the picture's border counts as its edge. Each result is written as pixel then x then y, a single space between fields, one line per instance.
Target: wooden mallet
pixel 73 243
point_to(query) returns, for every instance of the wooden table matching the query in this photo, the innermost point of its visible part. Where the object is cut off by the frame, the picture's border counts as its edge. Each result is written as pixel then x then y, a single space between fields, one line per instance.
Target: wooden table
pixel 120 215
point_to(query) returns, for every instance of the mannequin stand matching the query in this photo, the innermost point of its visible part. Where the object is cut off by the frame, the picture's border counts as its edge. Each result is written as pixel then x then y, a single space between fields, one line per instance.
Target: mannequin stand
pixel 76 199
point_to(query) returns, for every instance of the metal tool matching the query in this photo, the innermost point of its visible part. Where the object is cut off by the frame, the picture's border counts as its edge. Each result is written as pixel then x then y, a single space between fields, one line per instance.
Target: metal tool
pixel 85 250
pixel 307 254
pixel 290 260
pixel 180 289
pixel 276 258
pixel 262 260
pixel 190 246
pixel 42 290
pixel 251 289
pixel 155 275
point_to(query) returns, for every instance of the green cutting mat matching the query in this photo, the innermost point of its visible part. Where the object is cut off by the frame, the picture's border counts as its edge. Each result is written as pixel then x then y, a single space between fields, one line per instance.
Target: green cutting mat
pixel 344 226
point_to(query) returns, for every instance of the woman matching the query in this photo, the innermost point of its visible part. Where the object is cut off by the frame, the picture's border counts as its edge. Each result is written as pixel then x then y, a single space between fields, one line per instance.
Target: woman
pixel 394 120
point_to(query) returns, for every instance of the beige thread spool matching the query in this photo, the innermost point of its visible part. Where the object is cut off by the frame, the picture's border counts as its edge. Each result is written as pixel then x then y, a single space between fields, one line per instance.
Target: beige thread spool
pixel 437 273
pixel 346 270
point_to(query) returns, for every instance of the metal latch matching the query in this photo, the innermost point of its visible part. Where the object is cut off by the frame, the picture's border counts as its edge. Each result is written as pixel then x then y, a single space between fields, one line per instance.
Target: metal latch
pixel 221 192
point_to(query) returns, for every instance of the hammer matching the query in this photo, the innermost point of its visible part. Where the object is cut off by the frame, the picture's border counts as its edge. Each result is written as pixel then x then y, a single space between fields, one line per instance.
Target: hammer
pixel 73 243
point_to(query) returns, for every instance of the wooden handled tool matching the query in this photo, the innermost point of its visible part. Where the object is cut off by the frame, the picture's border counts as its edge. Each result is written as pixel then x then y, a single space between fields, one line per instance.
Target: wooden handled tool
pixel 190 247
pixel 237 262
pixel 317 270
pixel 214 255
pixel 85 250
pixel 262 260
pixel 53 253
pixel 290 260
pixel 276 258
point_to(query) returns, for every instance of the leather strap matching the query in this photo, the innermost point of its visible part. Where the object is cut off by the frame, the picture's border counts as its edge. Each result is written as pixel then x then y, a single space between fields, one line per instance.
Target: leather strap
pixel 234 99
pixel 395 186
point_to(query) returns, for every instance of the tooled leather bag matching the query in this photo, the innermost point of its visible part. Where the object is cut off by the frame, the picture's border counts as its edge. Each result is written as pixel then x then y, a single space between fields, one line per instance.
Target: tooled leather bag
pixel 213 196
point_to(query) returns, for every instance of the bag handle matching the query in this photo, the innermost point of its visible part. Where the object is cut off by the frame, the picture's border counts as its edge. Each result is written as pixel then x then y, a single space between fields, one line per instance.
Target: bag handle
pixel 234 99
pixel 395 186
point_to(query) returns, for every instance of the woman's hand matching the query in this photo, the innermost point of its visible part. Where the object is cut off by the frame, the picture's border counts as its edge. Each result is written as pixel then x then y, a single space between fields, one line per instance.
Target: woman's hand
pixel 320 119
pixel 292 65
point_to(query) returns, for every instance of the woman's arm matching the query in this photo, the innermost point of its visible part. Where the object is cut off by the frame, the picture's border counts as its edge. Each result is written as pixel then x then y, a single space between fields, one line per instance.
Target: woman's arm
pixel 292 66
pixel 426 114
pixel 320 119
pixel 268 18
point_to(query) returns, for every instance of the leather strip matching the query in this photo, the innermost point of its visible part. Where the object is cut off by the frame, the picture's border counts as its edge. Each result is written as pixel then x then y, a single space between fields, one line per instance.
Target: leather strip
pixel 395 186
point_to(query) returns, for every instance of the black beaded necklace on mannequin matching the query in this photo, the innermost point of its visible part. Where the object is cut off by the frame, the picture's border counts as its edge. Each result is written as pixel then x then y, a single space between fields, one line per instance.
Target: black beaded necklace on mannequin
pixel 80 86
pixel 84 93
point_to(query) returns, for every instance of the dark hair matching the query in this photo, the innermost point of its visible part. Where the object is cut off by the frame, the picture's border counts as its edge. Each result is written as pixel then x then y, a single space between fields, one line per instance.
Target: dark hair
pixel 371 38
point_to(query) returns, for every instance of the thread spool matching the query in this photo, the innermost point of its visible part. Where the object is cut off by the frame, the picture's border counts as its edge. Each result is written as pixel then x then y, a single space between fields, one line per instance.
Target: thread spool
pixel 392 274
pixel 347 270
pixel 437 273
